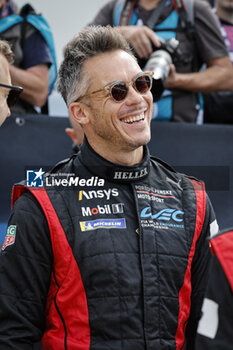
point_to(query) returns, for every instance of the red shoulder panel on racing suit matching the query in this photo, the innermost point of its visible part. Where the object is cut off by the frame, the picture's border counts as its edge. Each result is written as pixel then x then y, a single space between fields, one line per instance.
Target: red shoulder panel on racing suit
pixel 186 289
pixel 60 317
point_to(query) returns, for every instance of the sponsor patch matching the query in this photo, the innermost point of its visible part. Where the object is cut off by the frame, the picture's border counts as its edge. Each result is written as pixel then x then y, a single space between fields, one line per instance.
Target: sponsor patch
pixel 164 214
pixel 10 236
pixel 117 208
pixel 102 223
pixel 153 194
pixel 178 183
pixel 130 175
pixel 106 194
pixel 164 218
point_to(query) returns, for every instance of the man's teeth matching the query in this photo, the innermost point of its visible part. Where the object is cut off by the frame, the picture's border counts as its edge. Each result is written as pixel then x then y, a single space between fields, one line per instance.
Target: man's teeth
pixel 134 119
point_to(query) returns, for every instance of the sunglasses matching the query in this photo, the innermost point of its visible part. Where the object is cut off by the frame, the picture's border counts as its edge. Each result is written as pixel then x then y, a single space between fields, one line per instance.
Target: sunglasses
pixel 14 93
pixel 118 90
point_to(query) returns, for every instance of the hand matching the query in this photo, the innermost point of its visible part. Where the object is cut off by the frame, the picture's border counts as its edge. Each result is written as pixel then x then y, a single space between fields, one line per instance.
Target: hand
pixel 141 38
pixel 170 82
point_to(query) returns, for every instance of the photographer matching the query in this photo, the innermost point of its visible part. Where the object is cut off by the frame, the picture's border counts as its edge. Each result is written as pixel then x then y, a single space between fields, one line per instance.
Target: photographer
pixel 200 41
pixel 218 106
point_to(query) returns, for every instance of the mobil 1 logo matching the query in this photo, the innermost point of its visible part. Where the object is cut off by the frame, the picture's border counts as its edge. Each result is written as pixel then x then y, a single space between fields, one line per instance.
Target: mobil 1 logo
pixel 116 208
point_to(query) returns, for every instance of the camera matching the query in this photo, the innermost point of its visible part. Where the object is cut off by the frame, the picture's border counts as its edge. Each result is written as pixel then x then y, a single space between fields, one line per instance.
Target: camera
pixel 159 62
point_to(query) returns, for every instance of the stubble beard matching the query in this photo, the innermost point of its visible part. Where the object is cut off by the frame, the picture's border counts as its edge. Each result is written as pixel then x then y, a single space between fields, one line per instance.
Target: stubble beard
pixel 114 139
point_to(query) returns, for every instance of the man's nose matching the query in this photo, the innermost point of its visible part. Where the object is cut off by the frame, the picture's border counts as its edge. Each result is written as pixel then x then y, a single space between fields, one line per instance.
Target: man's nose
pixel 134 96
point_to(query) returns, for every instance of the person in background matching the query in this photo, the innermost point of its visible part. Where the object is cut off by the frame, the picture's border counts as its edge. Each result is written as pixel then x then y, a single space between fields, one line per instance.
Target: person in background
pixel 218 106
pixel 215 329
pixel 144 22
pixel 118 259
pixel 224 11
pixel 8 92
pixel 31 61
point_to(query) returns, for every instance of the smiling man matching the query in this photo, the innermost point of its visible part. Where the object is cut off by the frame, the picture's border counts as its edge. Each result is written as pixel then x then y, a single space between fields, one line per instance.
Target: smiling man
pixel 115 255
pixel 108 126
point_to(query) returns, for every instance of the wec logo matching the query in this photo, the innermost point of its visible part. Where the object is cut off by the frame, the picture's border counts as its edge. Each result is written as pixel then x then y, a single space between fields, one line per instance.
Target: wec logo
pixel 163 215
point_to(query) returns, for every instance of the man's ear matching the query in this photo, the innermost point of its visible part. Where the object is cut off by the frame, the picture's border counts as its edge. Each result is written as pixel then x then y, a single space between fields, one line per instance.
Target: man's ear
pixel 79 111
pixel 76 136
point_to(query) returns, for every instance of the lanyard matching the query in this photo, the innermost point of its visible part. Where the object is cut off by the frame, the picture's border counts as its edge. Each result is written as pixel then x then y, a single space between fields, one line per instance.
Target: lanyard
pixel 155 14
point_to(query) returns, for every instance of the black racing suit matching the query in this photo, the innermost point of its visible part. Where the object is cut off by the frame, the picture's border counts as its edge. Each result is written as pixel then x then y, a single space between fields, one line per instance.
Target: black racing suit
pixel 117 260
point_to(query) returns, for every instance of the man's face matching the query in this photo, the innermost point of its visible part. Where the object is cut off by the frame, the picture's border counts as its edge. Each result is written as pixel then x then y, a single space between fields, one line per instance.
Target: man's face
pixel 4 79
pixel 117 126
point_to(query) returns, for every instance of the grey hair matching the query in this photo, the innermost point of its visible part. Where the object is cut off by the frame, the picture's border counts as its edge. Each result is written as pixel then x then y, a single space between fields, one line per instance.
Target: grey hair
pixel 6 51
pixel 89 42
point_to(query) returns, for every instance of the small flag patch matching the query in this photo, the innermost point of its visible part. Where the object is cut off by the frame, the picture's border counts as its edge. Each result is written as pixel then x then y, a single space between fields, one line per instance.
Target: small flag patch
pixel 10 236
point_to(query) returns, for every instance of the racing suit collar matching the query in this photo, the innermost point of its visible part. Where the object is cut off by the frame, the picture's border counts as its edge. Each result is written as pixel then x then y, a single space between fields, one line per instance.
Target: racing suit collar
pixel 110 171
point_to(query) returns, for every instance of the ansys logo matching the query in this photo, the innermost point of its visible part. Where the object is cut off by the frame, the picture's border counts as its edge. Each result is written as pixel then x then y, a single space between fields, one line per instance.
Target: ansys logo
pixel 111 192
pixel 35 178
